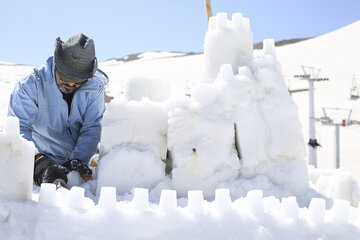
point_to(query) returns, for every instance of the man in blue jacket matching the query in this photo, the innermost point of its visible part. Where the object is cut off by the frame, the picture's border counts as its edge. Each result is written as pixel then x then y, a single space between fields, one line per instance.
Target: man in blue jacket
pixel 60 106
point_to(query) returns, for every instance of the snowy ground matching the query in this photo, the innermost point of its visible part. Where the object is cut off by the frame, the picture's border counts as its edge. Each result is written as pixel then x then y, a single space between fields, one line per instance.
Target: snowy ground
pixel 260 204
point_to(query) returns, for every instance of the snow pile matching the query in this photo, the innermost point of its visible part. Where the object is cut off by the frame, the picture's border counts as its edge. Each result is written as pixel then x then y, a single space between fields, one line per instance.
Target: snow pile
pixel 336 184
pixel 133 145
pixel 251 111
pixel 16 163
pixel 66 214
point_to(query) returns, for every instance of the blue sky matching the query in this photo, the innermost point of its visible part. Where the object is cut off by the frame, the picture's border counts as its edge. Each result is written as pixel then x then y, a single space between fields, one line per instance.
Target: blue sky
pixel 28 29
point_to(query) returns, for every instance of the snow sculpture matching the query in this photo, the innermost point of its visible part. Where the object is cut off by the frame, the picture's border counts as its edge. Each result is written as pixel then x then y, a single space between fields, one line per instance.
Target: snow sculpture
pixel 16 163
pixel 133 145
pixel 241 102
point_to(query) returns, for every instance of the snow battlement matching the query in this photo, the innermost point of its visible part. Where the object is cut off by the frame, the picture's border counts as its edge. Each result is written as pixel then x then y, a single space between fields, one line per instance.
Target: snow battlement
pixel 251 217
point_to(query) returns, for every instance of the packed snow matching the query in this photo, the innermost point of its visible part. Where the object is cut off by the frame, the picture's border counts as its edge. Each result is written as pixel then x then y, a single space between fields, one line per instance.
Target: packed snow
pixel 217 152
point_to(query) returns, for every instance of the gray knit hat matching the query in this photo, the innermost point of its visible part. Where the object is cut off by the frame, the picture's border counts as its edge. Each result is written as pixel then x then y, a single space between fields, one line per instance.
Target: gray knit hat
pixel 75 59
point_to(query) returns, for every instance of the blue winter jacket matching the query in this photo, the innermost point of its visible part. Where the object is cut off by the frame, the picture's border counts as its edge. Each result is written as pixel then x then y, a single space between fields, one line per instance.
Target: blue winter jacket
pixel 44 116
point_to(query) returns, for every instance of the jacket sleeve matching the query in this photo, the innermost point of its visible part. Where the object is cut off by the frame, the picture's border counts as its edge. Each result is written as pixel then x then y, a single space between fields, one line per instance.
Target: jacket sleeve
pixel 23 105
pixel 90 132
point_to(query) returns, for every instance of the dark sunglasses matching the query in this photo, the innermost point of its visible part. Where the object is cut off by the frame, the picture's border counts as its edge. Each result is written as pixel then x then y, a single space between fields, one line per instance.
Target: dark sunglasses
pixel 74 84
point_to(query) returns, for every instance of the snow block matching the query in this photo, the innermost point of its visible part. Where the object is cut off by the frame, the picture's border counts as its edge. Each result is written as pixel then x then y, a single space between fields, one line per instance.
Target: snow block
pixel 16 163
pixel 269 47
pixel 237 20
pixel 76 198
pixel 317 210
pixel 226 71
pixel 290 208
pixel 340 211
pixel 221 20
pixel 168 200
pixel 195 202
pixel 223 200
pixel 141 199
pixel 107 199
pixel 47 194
pixel 212 23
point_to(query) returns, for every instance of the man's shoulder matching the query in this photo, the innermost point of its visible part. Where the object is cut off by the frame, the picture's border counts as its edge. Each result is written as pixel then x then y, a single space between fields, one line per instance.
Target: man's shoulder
pixel 42 72
pixel 101 77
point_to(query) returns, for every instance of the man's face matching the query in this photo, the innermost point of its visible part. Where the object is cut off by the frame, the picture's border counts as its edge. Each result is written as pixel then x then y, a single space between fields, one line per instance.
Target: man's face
pixel 67 87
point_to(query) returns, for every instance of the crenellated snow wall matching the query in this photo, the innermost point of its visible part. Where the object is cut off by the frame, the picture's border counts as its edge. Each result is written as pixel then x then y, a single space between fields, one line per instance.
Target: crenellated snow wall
pixel 251 217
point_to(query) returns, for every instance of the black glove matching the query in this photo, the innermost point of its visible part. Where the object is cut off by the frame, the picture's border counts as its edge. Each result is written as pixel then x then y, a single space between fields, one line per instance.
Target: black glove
pixel 47 170
pixel 77 165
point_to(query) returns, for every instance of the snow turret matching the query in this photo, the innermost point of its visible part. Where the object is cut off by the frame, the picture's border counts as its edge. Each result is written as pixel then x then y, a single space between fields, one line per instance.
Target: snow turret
pixel 227 42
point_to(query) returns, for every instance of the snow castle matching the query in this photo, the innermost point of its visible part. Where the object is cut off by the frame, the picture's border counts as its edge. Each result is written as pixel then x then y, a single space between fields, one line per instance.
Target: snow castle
pixel 238 122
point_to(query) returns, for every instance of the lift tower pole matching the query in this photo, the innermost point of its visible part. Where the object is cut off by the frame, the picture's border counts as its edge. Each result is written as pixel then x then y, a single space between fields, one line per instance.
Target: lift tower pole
pixel 327 120
pixel 308 72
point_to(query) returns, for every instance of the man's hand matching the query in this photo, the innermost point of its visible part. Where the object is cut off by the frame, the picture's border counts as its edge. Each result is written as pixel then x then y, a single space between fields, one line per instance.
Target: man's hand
pixel 47 170
pixel 79 166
